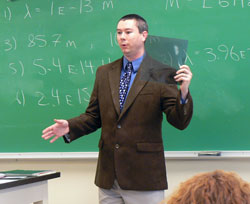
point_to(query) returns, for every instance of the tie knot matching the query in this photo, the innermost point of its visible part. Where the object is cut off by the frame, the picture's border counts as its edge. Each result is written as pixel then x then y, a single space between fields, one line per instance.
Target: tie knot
pixel 129 67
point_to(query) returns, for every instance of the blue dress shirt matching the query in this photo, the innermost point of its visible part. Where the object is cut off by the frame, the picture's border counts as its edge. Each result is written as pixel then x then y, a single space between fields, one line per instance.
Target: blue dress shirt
pixel 136 64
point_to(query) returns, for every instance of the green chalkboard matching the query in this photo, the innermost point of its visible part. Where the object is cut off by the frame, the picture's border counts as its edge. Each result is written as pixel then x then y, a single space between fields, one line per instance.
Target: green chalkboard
pixel 50 50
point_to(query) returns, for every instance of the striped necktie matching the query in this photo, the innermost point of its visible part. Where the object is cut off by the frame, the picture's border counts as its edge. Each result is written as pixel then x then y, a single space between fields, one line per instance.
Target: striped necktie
pixel 124 83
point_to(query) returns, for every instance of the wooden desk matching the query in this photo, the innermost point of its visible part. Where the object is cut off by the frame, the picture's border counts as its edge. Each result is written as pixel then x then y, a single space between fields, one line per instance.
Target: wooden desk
pixel 26 190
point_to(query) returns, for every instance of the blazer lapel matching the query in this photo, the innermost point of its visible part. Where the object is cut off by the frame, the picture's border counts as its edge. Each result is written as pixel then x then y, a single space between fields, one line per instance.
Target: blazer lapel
pixel 114 80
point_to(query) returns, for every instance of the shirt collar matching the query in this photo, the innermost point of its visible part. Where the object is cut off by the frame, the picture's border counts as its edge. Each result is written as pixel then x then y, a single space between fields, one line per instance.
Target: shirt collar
pixel 136 63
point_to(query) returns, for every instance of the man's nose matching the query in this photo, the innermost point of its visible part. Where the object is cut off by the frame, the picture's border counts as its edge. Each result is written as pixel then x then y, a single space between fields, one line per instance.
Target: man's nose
pixel 122 35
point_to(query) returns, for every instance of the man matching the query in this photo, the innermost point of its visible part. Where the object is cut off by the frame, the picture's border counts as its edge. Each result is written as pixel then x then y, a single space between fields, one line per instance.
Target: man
pixel 131 163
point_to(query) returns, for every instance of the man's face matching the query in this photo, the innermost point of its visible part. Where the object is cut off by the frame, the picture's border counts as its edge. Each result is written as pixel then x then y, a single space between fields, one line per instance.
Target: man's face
pixel 129 39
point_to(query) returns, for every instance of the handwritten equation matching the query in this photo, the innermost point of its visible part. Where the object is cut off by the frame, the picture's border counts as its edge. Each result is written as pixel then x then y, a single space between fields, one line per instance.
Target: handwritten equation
pixel 53 98
pixel 225 52
pixel 221 52
pixel 38 41
pixel 207 4
pixel 56 8
pixel 41 67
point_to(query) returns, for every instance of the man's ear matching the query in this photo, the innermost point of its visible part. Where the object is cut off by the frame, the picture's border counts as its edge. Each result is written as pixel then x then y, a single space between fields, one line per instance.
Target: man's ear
pixel 144 35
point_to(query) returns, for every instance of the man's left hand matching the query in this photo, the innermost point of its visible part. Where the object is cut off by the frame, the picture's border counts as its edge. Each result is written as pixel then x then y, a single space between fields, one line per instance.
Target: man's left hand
pixel 184 76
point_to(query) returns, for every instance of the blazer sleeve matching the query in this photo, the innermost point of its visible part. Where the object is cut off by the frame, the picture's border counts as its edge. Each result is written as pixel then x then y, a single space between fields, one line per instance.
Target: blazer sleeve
pixel 87 122
pixel 179 115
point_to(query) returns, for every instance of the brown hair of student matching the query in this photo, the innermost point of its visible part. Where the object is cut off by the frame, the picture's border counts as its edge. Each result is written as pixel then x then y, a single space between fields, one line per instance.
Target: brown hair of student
pixel 217 187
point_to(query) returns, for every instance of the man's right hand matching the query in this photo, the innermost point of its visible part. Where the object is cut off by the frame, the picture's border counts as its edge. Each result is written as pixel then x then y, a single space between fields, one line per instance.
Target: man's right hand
pixel 60 128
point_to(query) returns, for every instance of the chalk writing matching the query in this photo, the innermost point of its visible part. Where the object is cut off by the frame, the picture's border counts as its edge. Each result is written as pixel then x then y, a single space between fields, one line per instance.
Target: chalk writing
pixel 57 8
pixel 229 53
pixel 55 66
pixel 208 4
pixel 54 97
pixel 113 39
pixel 17 67
pixel 107 4
pixel 10 44
pixel 20 98
pixel 42 41
pixel 225 3
pixel 39 41
pixel 7 14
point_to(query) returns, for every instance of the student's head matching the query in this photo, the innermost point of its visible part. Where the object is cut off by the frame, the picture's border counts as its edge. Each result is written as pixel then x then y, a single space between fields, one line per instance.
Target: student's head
pixel 132 32
pixel 217 187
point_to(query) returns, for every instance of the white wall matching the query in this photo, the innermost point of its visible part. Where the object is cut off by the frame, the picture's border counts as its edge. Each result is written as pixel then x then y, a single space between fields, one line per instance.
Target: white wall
pixel 76 184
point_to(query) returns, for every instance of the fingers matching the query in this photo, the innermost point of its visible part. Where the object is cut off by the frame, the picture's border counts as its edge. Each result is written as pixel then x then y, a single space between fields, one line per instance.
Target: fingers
pixel 54 139
pixel 48 136
pixel 48 133
pixel 50 129
pixel 46 130
pixel 183 74
pixel 56 130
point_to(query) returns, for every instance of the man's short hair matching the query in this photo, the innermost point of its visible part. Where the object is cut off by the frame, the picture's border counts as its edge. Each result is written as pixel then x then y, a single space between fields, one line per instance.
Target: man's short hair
pixel 141 22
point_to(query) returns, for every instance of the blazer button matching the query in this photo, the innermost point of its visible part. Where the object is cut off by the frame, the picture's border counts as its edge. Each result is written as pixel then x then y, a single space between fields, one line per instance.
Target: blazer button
pixel 117 146
pixel 119 126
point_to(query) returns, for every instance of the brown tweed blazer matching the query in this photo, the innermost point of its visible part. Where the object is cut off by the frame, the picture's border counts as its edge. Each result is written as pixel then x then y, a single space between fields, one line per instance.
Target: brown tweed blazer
pixel 131 146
